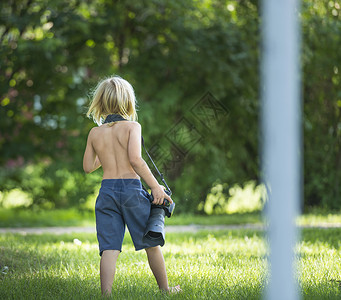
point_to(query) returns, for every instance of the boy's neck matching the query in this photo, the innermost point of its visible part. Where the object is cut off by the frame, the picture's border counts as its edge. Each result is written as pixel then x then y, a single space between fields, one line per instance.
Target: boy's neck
pixel 114 118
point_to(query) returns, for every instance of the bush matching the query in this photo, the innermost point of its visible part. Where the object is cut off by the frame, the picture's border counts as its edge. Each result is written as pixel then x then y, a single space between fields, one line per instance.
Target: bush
pixel 223 199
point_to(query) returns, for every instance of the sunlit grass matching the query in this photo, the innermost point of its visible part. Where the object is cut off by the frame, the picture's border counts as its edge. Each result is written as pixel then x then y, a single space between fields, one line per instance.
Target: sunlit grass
pixel 320 219
pixel 205 265
pixel 208 265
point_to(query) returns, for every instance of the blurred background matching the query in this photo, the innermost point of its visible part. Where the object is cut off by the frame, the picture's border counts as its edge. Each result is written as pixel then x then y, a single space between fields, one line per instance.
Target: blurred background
pixel 194 66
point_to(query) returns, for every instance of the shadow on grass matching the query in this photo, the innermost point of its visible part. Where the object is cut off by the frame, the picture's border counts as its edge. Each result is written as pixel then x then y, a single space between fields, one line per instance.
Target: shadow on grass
pixel 47 287
pixel 326 290
pixel 50 287
pixel 330 237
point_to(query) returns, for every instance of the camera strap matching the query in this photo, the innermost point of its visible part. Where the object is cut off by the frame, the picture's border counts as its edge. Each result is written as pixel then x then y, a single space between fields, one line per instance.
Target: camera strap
pixel 157 170
pixel 117 117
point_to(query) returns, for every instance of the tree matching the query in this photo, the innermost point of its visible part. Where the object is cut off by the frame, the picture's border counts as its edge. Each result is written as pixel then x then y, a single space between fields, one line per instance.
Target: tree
pixel 184 58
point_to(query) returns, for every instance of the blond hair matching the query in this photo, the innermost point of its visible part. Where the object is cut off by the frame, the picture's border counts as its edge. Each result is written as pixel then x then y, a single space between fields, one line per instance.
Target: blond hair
pixel 112 95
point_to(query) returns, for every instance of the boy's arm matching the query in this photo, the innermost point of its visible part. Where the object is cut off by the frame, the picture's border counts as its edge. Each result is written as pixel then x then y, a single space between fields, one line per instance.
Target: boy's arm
pixel 135 158
pixel 90 159
pixel 140 166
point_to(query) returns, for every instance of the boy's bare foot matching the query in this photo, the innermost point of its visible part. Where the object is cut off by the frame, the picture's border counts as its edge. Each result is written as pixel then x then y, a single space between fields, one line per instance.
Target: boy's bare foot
pixel 175 289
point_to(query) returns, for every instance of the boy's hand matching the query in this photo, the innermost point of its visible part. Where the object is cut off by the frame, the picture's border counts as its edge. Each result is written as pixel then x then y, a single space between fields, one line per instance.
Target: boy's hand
pixel 159 195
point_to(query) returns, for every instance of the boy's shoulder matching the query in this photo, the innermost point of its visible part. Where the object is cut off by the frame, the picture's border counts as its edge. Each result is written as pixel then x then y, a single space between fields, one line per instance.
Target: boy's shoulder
pixel 133 123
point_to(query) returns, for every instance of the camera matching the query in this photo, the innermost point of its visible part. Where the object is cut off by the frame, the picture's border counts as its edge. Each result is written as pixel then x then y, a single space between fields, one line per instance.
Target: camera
pixel 155 229
pixel 166 206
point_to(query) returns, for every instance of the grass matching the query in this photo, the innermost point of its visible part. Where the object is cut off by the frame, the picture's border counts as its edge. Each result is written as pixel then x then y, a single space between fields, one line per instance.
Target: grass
pixel 73 217
pixel 44 218
pixel 232 219
pixel 320 219
pixel 220 265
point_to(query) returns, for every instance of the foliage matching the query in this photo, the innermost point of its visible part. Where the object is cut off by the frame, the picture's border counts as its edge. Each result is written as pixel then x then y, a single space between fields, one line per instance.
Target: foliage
pixel 14 198
pixel 322 102
pixel 60 49
pixel 173 52
pixel 64 266
pixel 236 199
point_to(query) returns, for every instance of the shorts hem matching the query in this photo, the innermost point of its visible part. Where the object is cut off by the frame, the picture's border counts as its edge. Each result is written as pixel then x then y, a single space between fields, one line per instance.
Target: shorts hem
pixel 146 247
pixel 141 248
pixel 101 251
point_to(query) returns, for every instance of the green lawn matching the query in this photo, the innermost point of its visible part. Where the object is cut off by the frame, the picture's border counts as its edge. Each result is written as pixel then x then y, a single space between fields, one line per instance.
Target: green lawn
pixel 73 217
pixel 44 218
pixel 208 265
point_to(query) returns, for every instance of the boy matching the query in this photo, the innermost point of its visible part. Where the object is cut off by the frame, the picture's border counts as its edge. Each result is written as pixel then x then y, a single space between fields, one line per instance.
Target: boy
pixel 116 146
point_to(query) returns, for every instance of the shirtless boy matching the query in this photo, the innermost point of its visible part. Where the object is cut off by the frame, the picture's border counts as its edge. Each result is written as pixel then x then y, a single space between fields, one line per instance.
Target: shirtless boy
pixel 116 146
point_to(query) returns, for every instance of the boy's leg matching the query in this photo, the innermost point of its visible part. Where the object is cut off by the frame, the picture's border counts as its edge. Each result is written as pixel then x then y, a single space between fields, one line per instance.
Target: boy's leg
pixel 158 267
pixel 107 270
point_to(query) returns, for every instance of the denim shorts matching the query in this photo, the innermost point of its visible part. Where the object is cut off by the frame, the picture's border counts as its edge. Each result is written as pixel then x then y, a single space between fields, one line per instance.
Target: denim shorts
pixel 121 202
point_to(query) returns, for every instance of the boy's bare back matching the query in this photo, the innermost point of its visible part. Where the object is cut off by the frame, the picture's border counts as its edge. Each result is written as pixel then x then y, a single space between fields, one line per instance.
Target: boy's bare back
pixel 111 144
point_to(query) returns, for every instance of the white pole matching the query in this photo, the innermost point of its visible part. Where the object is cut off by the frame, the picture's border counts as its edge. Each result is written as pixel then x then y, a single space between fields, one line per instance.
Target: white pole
pixel 281 117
